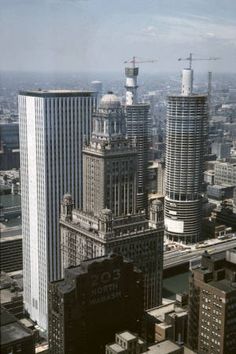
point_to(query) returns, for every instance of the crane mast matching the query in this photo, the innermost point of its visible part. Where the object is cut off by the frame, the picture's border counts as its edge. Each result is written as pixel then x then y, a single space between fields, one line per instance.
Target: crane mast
pixel 131 73
pixel 187 74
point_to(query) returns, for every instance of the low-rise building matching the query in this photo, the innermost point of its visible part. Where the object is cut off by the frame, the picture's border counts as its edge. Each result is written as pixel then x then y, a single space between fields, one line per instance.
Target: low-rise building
pixel 168 321
pixel 15 337
pixel 129 343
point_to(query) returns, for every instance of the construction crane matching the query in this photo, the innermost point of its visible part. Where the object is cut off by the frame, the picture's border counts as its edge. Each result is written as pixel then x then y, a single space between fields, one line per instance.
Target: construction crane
pixel 191 59
pixel 134 61
pixel 131 74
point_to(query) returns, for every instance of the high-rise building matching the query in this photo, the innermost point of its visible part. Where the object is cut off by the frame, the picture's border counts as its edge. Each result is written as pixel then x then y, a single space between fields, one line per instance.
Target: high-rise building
pixel 138 129
pixel 96 86
pixel 93 301
pixel 186 132
pixel 9 145
pixel 212 304
pixel 53 128
pixel 109 221
pixel 137 125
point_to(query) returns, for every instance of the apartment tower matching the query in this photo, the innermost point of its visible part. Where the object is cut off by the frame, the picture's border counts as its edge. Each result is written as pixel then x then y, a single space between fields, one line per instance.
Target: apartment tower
pixel 186 132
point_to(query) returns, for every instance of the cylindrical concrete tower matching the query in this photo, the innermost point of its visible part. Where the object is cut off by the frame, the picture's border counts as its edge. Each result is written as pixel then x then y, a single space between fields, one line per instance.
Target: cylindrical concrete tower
pixel 131 85
pixel 187 117
pixel 187 82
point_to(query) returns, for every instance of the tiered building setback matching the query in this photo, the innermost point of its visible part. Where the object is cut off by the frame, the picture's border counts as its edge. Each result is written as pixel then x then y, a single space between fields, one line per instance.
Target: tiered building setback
pixel 109 221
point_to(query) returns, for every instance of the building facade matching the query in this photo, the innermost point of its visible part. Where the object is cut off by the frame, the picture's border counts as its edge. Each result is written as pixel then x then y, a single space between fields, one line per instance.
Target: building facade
pixel 138 124
pixel 53 128
pixel 9 145
pixel 91 303
pixel 11 253
pixel 225 172
pixel 187 119
pixel 138 129
pixel 212 304
pixel 109 221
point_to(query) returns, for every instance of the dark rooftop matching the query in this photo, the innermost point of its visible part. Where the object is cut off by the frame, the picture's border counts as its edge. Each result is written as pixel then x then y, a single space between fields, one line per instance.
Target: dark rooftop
pixel 11 330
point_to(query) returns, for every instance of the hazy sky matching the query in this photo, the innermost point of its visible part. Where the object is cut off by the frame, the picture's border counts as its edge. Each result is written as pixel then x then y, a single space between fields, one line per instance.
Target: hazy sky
pixel 98 35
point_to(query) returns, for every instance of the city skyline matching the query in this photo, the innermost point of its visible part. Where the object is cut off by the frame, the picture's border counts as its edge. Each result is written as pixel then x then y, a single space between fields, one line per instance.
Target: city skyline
pixel 66 35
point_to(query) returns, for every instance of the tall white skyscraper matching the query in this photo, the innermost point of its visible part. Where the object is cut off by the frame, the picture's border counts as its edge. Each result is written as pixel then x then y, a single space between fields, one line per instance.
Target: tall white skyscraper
pixel 53 128
pixel 186 133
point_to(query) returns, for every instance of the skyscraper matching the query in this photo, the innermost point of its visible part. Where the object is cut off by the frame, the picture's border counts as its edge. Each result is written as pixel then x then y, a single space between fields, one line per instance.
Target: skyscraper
pixel 137 127
pixel 109 221
pixel 53 128
pixel 96 86
pixel 187 118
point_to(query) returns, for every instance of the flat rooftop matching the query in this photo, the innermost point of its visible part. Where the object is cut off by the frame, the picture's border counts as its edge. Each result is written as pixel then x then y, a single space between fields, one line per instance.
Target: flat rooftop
pixel 126 335
pixel 11 330
pixel 166 347
pixel 57 93
pixel 224 285
pixel 116 347
pixel 159 312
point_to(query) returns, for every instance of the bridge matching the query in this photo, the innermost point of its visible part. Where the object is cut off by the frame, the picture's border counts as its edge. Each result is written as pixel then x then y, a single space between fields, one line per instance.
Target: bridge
pixel 178 258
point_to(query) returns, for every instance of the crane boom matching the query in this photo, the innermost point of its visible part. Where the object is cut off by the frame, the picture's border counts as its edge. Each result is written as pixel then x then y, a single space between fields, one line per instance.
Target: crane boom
pixel 134 61
pixel 191 59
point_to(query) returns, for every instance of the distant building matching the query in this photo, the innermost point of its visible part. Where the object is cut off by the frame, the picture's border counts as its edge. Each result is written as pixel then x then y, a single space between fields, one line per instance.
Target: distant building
pixel 221 149
pixel 212 304
pixel 225 214
pixel 209 176
pixel 11 253
pixel 94 300
pixel 220 192
pixel 15 337
pixel 54 126
pixel 186 132
pixel 96 86
pixel 156 178
pixel 225 172
pixel 109 221
pixel 11 293
pixel 9 145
